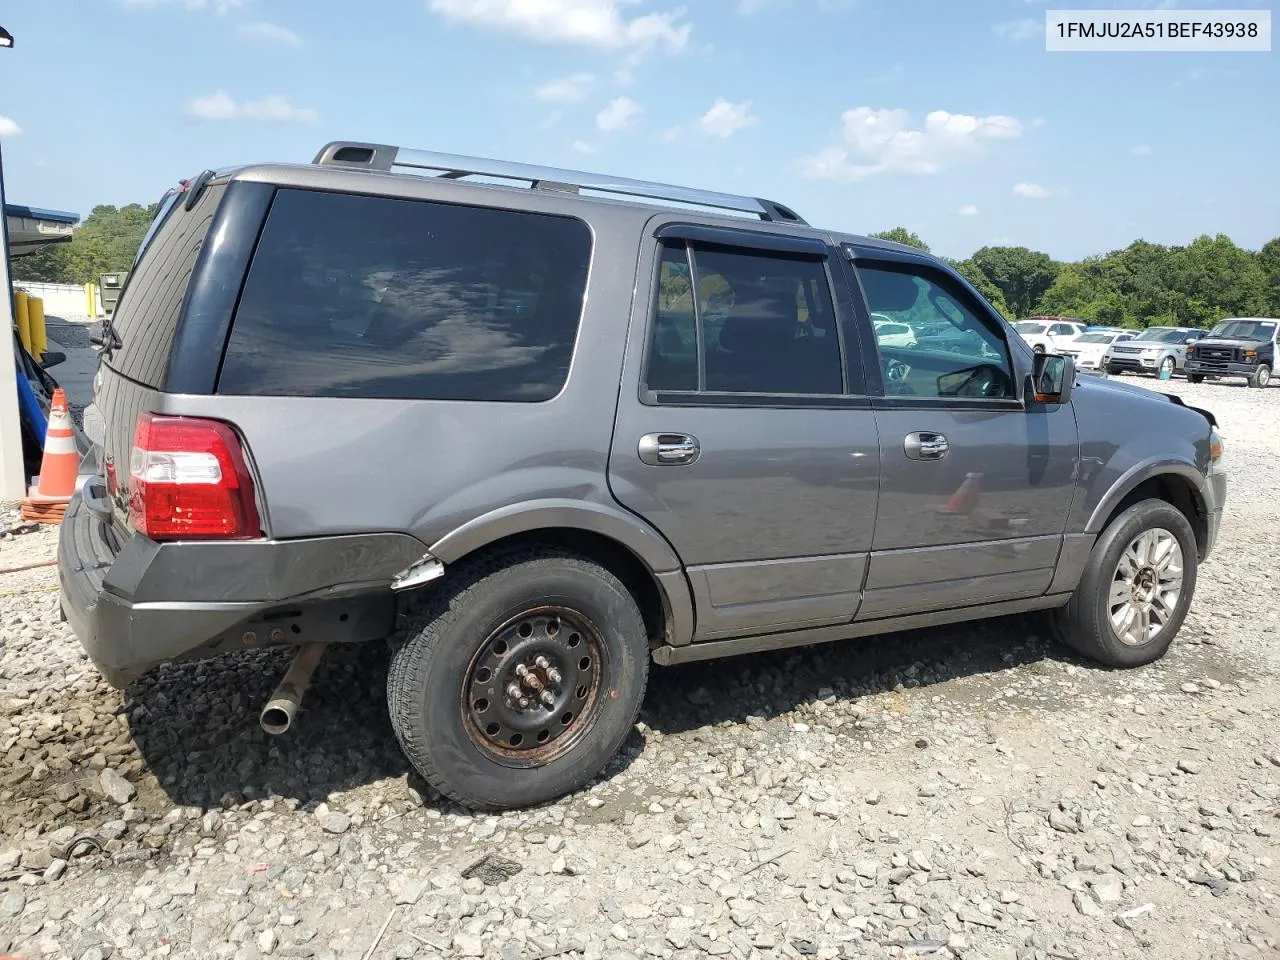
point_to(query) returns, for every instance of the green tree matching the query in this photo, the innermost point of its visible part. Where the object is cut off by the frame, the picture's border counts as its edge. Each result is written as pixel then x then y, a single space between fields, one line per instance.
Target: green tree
pixel 1022 275
pixel 902 235
pixel 1269 260
pixel 984 285
pixel 1214 278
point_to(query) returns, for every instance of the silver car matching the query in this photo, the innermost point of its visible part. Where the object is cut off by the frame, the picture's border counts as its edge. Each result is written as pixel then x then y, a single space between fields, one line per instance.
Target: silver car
pixel 1158 350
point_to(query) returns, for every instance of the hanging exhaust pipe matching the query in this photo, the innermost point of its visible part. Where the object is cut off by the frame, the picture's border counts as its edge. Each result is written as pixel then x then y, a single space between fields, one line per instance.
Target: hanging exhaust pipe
pixel 277 715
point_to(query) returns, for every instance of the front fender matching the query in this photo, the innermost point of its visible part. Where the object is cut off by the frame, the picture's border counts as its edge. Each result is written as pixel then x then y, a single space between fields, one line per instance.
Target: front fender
pixel 1138 474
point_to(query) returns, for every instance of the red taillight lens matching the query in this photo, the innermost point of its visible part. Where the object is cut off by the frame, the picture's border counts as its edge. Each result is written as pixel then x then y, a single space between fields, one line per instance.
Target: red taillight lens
pixel 189 481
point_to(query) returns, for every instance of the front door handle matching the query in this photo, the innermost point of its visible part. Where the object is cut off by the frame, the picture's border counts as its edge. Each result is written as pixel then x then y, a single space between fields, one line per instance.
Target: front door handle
pixel 925 446
pixel 668 449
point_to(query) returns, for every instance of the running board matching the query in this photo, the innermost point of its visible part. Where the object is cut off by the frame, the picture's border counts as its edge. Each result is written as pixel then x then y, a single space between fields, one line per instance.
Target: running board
pixel 713 649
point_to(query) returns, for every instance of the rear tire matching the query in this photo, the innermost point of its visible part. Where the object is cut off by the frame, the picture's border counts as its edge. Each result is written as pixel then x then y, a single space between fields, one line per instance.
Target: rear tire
pixel 1195 378
pixel 1260 377
pixel 1142 554
pixel 447 689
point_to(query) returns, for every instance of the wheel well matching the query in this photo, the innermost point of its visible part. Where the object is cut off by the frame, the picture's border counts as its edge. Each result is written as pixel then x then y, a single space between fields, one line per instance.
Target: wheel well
pixel 611 555
pixel 1174 490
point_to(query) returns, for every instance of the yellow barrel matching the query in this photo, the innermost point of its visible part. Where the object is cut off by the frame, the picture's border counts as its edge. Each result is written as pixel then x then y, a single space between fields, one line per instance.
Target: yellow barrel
pixel 35 319
pixel 24 320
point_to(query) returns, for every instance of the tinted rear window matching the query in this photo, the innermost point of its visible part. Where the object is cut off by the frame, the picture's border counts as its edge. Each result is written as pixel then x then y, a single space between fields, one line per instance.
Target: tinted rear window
pixel 352 296
pixel 146 317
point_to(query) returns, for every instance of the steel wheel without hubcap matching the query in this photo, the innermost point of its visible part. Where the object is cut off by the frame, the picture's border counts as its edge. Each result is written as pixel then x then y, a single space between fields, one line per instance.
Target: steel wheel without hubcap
pixel 532 690
pixel 1146 587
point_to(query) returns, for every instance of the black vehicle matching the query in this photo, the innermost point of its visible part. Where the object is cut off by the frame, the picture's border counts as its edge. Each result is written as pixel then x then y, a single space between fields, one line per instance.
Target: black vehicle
pixel 1236 347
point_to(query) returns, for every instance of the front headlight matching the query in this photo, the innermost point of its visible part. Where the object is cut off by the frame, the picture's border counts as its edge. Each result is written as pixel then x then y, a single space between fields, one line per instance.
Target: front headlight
pixel 1251 354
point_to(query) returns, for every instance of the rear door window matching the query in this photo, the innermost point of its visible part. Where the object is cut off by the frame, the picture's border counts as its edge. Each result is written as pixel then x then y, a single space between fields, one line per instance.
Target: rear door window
pixel 356 296
pixel 742 321
pixel 146 318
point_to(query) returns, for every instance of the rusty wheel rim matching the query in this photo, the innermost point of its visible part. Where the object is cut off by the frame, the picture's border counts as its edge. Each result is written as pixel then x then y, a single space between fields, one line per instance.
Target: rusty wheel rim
pixel 532 690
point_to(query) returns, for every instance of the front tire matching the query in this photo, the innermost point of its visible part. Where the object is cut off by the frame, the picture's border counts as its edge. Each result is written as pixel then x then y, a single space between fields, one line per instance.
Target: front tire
pixel 1195 378
pixel 1260 377
pixel 1167 366
pixel 1136 589
pixel 521 681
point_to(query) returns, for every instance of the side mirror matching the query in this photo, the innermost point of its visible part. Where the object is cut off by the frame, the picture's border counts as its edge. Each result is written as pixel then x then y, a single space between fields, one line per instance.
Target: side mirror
pixel 1052 378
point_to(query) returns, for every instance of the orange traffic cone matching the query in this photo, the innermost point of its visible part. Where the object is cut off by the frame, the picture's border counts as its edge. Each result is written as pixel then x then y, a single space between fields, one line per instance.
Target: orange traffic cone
pixel 48 497
pixel 966 498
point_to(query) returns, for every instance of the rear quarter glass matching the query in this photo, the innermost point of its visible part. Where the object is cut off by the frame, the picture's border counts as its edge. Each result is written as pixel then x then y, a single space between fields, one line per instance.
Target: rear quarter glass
pixel 146 318
pixel 360 296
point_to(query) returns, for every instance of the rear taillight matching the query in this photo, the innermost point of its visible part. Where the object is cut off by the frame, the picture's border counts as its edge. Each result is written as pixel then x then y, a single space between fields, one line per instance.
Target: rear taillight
pixel 189 481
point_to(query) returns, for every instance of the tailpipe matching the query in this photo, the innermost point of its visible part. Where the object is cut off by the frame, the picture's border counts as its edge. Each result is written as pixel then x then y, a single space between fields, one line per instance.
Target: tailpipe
pixel 277 714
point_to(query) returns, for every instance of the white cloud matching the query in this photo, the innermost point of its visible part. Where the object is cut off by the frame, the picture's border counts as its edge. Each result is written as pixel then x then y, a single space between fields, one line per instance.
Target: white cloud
pixel 219 7
pixel 264 32
pixel 724 119
pixel 272 109
pixel 968 210
pixel 581 146
pixel 565 89
pixel 1024 28
pixel 9 127
pixel 875 141
pixel 620 113
pixel 1035 191
pixel 1141 150
pixel 588 23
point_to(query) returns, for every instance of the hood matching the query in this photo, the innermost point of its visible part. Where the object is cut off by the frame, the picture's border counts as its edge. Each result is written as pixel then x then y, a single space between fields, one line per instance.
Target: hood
pixel 1090 383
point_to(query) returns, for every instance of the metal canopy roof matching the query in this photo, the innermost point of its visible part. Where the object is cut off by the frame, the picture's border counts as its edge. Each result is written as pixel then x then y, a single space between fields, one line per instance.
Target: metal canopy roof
pixel 31 228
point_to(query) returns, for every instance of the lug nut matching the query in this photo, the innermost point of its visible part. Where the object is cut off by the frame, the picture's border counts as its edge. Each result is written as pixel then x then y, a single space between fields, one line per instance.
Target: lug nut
pixel 548 699
pixel 514 692
pixel 542 663
pixel 524 703
pixel 521 670
pixel 553 675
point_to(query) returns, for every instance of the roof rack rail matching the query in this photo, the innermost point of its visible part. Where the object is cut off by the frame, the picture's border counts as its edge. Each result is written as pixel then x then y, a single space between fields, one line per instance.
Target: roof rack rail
pixel 384 158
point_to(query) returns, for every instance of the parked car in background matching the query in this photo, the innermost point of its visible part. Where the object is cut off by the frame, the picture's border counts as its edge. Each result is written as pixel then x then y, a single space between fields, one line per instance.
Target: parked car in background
pixel 540 438
pixel 1154 350
pixel 892 333
pixel 1237 347
pixel 1092 350
pixel 1048 336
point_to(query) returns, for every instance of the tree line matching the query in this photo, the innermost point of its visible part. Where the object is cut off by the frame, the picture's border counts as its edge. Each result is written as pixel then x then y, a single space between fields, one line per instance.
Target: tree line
pixel 104 243
pixel 1145 284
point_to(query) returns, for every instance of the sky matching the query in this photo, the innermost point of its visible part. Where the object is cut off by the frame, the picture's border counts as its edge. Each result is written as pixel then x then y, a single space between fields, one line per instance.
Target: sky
pixel 949 118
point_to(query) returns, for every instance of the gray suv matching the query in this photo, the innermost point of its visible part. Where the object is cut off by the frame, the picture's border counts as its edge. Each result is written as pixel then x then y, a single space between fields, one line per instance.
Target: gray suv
pixel 539 437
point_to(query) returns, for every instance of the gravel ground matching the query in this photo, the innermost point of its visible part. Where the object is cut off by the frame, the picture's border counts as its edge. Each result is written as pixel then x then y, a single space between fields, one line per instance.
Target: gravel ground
pixel 971 792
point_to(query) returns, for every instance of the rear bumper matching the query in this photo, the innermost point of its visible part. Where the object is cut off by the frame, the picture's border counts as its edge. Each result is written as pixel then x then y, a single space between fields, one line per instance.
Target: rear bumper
pixel 134 603
pixel 1230 368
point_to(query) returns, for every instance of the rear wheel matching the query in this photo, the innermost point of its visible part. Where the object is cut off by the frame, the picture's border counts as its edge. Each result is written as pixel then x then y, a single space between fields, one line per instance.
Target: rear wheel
pixel 1261 377
pixel 521 681
pixel 1038 348
pixel 1136 588
pixel 1195 378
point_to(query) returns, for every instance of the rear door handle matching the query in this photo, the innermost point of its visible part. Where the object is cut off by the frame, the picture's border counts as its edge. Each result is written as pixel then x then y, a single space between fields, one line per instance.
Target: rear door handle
pixel 925 446
pixel 668 449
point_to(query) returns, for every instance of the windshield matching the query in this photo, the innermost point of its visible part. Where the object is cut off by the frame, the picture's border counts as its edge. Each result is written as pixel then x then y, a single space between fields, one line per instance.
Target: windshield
pixel 1095 338
pixel 1029 327
pixel 1161 335
pixel 1244 330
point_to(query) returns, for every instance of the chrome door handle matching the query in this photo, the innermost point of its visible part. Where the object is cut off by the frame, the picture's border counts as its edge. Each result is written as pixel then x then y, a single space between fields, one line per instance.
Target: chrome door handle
pixel 925 446
pixel 668 449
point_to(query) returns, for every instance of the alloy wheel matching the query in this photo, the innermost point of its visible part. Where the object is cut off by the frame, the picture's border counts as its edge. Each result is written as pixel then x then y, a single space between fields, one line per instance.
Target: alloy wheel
pixel 1146 587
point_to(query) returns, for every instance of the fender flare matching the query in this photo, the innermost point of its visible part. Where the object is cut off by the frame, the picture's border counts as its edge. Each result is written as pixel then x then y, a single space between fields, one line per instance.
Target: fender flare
pixel 639 538
pixel 1138 474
